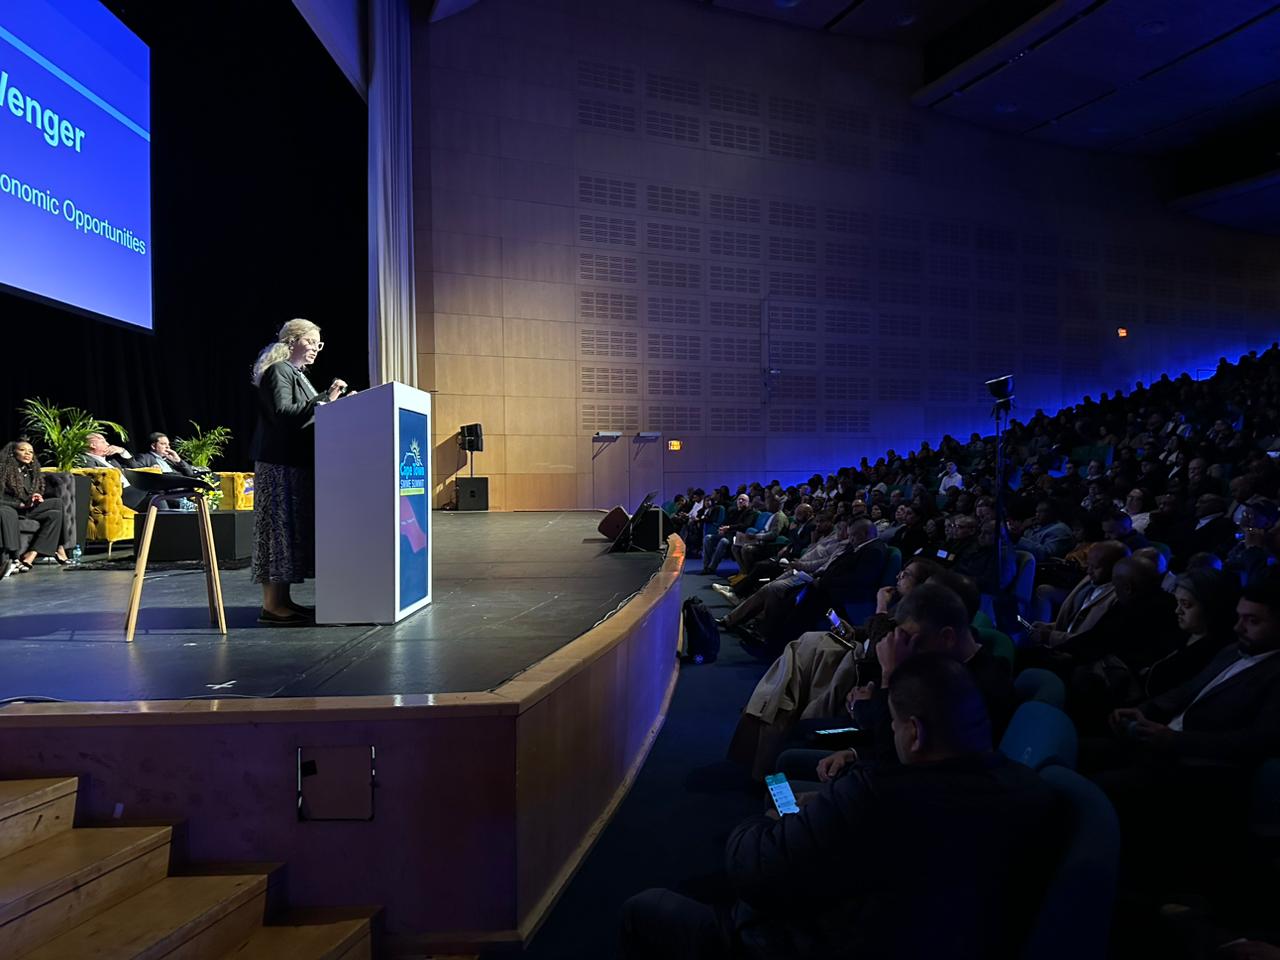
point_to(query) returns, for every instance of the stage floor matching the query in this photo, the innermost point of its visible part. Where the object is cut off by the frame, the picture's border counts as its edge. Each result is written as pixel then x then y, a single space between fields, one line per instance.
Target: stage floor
pixel 510 588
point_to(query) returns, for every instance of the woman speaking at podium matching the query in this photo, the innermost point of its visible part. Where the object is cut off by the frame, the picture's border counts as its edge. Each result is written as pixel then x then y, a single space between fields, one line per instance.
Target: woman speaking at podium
pixel 284 499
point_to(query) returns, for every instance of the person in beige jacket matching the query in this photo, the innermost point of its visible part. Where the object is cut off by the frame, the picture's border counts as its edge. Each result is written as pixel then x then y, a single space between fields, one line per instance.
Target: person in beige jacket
pixel 1089 600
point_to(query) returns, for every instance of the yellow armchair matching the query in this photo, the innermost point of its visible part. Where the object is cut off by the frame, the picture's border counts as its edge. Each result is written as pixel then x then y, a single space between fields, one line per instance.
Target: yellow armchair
pixel 237 490
pixel 109 518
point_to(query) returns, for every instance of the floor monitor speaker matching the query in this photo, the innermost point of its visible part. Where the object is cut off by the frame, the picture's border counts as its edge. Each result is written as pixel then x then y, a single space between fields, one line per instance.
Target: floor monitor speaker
pixel 652 528
pixel 613 523
pixel 473 493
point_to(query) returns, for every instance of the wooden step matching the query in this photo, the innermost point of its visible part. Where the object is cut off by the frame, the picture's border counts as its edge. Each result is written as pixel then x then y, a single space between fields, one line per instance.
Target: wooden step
pixel 34 810
pixel 311 935
pixel 179 918
pixel 51 886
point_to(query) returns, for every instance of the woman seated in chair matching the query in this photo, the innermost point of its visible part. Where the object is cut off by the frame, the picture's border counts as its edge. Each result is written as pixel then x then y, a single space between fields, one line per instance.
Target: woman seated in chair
pixel 22 490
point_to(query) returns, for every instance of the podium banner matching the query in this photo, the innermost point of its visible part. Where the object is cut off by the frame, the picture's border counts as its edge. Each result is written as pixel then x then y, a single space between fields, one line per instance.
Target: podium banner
pixel 413 507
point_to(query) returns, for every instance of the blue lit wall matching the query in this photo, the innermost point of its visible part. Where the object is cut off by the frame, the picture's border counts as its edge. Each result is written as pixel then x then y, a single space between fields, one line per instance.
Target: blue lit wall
pixel 629 213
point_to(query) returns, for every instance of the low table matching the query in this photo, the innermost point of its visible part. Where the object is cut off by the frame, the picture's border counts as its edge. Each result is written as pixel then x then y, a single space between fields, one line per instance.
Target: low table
pixel 177 535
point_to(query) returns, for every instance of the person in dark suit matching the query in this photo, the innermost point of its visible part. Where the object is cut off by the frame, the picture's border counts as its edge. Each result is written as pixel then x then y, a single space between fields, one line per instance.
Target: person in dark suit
pixel 1229 713
pixel 101 455
pixel 1206 600
pixel 163 457
pixel 284 470
pixel 1214 532
pixel 854 576
pixel 1181 765
pixel 943 854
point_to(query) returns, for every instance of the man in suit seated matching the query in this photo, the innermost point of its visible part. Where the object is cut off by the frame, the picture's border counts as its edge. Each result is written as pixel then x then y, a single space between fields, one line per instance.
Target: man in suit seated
pixel 163 457
pixel 1181 765
pixel 108 456
pixel 1091 598
pixel 944 854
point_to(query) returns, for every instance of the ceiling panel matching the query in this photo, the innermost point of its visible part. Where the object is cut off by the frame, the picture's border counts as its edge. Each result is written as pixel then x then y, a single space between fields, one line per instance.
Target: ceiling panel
pixel 814 14
pixel 903 21
pixel 1186 133
pixel 1254 206
pixel 1197 86
pixel 1093 58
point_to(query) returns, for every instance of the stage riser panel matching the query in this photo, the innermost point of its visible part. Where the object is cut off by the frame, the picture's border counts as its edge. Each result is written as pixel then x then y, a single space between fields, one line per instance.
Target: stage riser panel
pixel 485 803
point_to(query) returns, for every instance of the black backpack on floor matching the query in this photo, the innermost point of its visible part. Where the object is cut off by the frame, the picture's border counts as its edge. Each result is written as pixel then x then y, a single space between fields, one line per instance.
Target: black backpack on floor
pixel 701 635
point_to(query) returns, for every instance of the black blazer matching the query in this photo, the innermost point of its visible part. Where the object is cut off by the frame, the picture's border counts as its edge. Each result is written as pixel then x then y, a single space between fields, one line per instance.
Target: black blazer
pixel 286 405
pixel 1237 722
pixel 974 839
pixel 149 459
pixel 854 576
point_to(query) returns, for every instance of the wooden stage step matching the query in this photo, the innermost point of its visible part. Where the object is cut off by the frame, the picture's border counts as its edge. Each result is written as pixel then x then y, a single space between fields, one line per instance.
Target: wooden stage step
pixel 309 935
pixel 107 893
pixel 34 810
pixel 53 885
pixel 196 918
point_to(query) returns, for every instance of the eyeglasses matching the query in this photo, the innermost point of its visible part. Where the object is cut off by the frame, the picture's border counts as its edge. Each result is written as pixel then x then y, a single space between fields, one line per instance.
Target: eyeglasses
pixel 316 345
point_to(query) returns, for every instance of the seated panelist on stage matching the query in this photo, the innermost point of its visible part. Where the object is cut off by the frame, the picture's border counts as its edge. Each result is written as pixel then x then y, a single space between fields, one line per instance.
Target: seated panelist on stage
pixel 162 455
pixel 22 496
pixel 108 456
pixel 284 506
pixel 164 458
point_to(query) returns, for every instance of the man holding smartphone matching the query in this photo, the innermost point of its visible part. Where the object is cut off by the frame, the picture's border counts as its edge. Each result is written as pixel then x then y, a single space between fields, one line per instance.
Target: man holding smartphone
pixel 958 826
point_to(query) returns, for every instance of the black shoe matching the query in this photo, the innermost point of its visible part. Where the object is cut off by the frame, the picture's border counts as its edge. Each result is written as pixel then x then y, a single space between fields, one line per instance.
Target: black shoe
pixel 292 620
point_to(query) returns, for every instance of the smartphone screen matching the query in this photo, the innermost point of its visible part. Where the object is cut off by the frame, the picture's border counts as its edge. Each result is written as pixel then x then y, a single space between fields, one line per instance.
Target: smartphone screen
pixel 833 618
pixel 783 799
pixel 824 733
pixel 1026 624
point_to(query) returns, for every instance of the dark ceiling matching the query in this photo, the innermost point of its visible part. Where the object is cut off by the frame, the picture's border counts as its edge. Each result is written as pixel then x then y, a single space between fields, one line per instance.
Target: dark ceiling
pixel 1192 84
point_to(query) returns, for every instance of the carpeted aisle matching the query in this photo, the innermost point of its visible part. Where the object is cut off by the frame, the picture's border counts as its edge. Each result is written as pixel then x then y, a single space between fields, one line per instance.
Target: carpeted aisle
pixel 671 829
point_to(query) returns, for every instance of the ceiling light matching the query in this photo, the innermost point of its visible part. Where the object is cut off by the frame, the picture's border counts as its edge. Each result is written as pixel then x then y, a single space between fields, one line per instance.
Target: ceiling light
pixel 787 4
pixel 1153 28
pixel 907 20
pixel 1006 107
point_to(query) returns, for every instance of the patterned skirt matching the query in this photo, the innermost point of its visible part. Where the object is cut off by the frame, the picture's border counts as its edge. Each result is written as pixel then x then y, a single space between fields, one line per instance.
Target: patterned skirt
pixel 284 518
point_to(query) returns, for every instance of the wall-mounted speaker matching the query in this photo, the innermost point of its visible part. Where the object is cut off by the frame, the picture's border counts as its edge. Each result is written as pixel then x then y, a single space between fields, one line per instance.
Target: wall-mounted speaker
pixel 471 437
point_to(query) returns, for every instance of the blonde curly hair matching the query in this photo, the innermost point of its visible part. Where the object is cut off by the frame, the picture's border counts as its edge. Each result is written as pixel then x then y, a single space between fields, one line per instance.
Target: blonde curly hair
pixel 289 334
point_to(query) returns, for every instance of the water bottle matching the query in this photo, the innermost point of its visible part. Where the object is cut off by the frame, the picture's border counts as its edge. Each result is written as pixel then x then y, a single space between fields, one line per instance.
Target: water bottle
pixel 76 552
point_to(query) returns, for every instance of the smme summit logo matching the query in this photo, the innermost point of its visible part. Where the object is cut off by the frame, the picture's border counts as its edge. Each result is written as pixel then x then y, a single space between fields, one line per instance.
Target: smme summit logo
pixel 413 476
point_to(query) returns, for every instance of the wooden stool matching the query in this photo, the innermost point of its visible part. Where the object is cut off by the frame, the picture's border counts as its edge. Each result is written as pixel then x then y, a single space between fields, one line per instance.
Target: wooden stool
pixel 165 486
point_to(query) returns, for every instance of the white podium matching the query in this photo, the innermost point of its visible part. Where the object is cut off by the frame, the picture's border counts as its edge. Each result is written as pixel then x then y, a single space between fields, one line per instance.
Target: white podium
pixel 373 506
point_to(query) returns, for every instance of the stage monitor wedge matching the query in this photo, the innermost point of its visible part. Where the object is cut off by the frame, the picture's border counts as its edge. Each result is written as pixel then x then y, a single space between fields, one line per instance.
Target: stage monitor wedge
pixel 75 138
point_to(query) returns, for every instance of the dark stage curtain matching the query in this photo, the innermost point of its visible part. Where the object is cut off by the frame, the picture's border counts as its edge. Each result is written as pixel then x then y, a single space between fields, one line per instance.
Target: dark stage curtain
pixel 258 213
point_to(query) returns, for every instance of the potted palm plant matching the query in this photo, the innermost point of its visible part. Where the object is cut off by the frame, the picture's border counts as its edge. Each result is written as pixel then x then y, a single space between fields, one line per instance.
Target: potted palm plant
pixel 202 446
pixel 64 431
pixel 199 450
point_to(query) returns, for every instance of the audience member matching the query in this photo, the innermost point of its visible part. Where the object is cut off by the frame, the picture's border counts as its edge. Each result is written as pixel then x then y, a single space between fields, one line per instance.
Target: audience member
pixel 969 833
pixel 1046 536
pixel 1206 610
